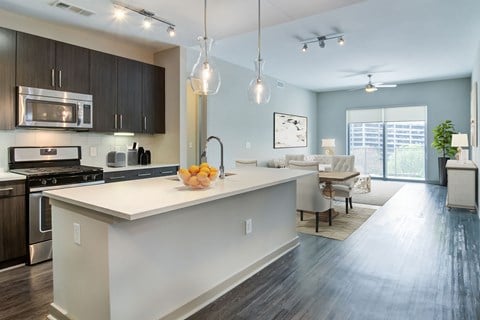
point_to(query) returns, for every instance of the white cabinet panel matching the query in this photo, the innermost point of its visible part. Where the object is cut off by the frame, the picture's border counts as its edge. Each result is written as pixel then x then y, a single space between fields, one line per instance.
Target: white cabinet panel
pixel 462 184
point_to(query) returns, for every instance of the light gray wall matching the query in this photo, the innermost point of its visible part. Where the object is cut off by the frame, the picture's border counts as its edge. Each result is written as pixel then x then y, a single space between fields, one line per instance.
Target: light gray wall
pixel 236 121
pixel 445 99
pixel 476 78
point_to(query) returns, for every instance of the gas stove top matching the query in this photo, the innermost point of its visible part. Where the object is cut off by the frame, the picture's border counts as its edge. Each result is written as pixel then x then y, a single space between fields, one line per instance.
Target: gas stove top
pixel 49 167
pixel 50 171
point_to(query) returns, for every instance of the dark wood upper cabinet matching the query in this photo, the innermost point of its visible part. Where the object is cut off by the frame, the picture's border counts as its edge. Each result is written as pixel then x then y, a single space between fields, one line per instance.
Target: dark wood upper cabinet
pixel 7 79
pixel 72 67
pixel 153 104
pixel 129 101
pixel 49 64
pixel 103 86
pixel 35 61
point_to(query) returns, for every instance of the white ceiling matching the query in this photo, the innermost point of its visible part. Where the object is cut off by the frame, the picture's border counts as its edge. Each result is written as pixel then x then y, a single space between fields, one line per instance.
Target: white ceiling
pixel 397 41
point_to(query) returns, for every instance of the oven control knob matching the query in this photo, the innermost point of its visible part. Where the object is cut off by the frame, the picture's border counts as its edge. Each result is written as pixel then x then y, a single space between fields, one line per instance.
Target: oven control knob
pixel 54 181
pixel 43 181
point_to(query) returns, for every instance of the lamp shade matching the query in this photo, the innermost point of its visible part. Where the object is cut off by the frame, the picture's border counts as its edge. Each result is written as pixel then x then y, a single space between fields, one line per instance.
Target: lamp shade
pixel 328 142
pixel 460 140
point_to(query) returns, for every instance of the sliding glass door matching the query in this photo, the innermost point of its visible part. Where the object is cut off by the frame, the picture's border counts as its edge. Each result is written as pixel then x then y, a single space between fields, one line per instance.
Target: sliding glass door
pixel 366 144
pixel 405 150
pixel 390 145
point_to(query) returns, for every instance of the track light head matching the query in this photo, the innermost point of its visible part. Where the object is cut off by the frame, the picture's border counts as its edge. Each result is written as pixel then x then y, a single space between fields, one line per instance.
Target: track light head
pixel 305 47
pixel 341 41
pixel 171 31
pixel 147 23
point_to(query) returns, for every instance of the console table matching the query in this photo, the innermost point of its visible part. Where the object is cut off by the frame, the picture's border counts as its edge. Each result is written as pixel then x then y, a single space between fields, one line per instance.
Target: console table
pixel 462 184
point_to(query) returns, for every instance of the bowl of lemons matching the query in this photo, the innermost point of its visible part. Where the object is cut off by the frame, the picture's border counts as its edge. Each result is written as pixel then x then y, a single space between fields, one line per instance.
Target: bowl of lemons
pixel 198 176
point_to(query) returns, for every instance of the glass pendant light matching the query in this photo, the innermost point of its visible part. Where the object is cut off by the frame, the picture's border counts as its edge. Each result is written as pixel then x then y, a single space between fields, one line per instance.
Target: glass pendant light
pixel 205 78
pixel 259 90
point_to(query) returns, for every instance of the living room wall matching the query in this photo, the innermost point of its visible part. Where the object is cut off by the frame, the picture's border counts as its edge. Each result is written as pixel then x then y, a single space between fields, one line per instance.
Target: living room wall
pixel 445 99
pixel 476 78
pixel 238 122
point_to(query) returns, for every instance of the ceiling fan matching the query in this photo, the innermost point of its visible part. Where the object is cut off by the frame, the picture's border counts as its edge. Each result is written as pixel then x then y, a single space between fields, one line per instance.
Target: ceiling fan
pixel 372 87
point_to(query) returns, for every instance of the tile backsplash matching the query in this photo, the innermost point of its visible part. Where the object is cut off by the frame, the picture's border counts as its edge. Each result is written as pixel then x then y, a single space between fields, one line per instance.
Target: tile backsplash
pixel 95 146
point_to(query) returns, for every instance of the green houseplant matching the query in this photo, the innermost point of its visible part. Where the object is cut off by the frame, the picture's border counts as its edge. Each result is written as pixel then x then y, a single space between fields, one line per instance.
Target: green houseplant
pixel 442 142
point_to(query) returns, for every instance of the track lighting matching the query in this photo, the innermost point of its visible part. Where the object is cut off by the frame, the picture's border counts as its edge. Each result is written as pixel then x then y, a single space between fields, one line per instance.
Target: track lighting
pixel 120 12
pixel 147 23
pixel 171 31
pixel 322 40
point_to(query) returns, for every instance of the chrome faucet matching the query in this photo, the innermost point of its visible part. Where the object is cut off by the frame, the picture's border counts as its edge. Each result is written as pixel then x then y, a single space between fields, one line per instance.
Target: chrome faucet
pixel 204 155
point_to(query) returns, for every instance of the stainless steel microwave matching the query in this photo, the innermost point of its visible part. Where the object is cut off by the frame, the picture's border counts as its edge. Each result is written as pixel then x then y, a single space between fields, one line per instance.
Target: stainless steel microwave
pixel 42 108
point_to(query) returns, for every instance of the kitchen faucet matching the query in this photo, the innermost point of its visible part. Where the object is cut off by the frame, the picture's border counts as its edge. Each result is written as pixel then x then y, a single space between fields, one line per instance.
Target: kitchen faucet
pixel 204 155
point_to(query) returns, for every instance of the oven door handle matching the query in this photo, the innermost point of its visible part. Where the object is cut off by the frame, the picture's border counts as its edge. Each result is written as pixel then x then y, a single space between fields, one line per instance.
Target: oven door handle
pixel 40 216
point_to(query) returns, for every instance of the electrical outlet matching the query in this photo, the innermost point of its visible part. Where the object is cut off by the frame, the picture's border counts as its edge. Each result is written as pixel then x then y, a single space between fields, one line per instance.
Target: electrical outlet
pixel 248 226
pixel 76 233
pixel 93 151
pixel 248 145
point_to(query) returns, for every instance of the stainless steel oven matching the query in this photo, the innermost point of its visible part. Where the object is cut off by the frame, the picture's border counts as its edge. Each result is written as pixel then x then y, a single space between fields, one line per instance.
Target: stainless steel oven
pixel 54 109
pixel 48 168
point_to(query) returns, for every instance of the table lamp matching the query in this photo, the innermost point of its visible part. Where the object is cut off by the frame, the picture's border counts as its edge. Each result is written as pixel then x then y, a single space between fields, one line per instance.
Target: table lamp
pixel 460 140
pixel 329 146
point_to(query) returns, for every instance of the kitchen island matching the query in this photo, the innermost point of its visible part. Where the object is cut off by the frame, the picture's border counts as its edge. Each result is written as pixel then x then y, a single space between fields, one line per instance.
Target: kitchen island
pixel 154 249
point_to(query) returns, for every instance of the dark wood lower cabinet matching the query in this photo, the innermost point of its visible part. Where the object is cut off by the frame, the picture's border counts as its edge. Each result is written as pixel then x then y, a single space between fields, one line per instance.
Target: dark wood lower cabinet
pixel 12 223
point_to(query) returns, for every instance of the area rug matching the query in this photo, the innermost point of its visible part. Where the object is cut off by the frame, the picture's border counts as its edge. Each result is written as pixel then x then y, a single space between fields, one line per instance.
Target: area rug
pixel 381 191
pixel 342 226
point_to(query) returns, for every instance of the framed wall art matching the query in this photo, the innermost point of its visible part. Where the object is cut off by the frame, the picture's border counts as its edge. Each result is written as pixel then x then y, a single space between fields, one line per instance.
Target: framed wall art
pixel 474 115
pixel 289 131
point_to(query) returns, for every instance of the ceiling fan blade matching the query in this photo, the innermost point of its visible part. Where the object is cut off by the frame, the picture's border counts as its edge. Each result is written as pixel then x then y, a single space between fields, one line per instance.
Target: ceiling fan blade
pixel 386 85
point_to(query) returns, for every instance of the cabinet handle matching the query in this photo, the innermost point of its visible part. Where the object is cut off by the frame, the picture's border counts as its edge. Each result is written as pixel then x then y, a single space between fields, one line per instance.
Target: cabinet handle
pixel 121 121
pixel 53 78
pixel 117 178
pixel 115 116
pixel 144 174
pixel 60 78
pixel 166 172
pixel 6 189
pixel 145 123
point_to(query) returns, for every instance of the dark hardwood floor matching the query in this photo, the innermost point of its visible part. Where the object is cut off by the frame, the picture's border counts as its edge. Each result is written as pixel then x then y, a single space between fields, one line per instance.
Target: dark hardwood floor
pixel 26 292
pixel 413 259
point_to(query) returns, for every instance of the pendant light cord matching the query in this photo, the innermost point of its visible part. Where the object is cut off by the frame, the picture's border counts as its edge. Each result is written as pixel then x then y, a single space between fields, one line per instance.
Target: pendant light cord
pixel 259 34
pixel 205 20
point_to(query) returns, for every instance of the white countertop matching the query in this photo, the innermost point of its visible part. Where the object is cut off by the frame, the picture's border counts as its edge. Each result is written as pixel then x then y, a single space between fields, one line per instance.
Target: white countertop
pixel 139 166
pixel 8 176
pixel 137 199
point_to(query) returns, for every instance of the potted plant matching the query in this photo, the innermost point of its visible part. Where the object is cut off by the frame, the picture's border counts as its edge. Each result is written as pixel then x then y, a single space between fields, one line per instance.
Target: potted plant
pixel 442 142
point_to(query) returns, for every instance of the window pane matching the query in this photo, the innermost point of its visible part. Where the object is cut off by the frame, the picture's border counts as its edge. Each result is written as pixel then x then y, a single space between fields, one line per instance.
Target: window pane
pixel 405 148
pixel 366 144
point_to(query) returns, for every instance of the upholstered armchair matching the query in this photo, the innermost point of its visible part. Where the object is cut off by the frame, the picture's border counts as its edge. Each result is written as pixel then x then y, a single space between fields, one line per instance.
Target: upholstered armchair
pixel 309 192
pixel 344 189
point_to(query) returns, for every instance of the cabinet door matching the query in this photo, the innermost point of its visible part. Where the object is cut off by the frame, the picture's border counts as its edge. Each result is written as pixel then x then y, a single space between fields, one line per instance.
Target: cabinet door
pixel 7 79
pixel 103 86
pixel 153 104
pixel 12 228
pixel 35 61
pixel 129 101
pixel 72 68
